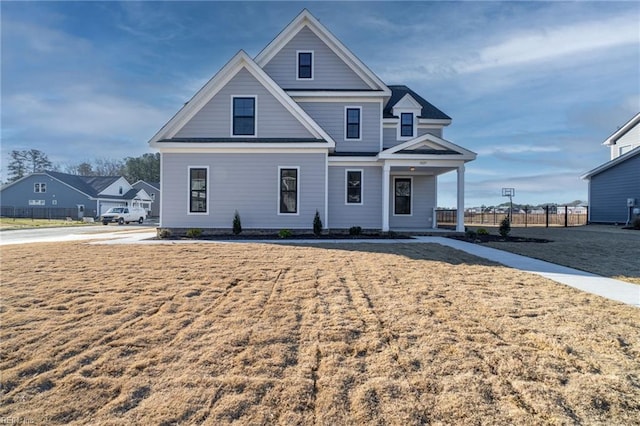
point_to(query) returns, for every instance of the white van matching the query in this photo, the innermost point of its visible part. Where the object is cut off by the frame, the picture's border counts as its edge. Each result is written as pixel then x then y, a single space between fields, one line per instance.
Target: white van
pixel 121 215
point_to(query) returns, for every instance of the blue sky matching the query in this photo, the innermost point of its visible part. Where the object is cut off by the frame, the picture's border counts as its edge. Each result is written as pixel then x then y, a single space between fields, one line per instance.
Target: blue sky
pixel 532 87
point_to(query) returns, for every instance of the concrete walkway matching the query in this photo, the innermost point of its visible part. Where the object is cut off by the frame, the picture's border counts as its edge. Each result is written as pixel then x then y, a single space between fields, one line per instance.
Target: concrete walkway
pixel 606 287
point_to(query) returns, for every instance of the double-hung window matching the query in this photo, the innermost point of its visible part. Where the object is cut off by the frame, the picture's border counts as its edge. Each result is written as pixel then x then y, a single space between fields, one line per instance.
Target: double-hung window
pixel 305 65
pixel 244 116
pixel 288 190
pixel 406 124
pixel 40 187
pixel 402 201
pixel 198 189
pixel 353 123
pixel 354 186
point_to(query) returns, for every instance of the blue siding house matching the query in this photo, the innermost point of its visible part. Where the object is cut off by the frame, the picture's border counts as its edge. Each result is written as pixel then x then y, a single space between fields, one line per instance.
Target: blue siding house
pixel 614 187
pixel 86 196
pixel 305 126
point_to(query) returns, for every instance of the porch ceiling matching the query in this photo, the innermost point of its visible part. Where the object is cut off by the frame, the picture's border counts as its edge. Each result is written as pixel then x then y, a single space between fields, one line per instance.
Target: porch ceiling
pixel 421 170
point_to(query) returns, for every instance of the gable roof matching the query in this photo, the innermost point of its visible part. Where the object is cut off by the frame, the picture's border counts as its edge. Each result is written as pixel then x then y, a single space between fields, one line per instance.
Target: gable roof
pixel 90 185
pixel 428 145
pixel 611 140
pixel 428 110
pixel 609 164
pixel 306 20
pixel 155 185
pixel 240 61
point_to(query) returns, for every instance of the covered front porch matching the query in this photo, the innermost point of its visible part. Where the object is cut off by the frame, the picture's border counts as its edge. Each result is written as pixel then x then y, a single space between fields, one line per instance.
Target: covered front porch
pixel 410 182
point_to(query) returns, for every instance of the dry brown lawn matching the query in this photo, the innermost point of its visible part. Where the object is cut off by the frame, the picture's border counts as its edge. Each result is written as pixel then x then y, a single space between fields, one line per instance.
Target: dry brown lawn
pixel 600 249
pixel 400 334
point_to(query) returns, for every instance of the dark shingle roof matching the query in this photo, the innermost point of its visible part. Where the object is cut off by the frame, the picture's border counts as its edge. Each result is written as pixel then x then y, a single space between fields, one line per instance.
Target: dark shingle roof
pixel 428 110
pixel 90 185
pixel 256 140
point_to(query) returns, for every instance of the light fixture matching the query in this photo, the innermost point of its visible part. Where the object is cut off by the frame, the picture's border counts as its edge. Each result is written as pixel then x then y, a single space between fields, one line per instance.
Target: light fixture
pixel 413 169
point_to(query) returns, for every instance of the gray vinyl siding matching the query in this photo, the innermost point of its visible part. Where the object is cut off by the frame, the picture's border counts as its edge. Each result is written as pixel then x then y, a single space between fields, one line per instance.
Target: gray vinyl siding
pixel 609 191
pixel 19 194
pixel 369 214
pixel 248 183
pixel 273 119
pixel 390 134
pixel 423 202
pixel 329 71
pixel 331 117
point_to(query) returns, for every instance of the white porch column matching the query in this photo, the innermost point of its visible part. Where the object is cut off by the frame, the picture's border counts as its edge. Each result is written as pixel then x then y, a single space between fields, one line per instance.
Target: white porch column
pixel 385 197
pixel 460 206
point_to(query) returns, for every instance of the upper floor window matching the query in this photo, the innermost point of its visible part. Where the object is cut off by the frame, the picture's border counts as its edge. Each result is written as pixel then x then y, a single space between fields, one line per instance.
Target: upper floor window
pixel 352 125
pixel 406 124
pixel 305 65
pixel 198 189
pixel 40 187
pixel 244 116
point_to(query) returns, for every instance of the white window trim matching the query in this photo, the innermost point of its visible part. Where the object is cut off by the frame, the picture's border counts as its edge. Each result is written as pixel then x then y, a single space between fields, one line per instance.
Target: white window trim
pixel 346 187
pixel 313 68
pixel 297 213
pixel 255 116
pixel 394 196
pixel 359 124
pixel 208 191
pixel 39 186
pixel 399 126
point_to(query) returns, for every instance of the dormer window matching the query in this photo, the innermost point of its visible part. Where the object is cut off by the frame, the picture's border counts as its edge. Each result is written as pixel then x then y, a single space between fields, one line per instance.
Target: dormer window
pixel 406 124
pixel 305 65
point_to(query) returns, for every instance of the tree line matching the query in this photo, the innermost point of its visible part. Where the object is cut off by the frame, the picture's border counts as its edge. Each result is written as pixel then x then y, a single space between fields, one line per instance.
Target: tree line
pixel 146 167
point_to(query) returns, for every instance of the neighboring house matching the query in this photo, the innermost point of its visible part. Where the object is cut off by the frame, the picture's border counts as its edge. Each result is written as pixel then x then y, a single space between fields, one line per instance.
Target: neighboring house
pixel 614 187
pixel 305 126
pixel 153 189
pixel 88 196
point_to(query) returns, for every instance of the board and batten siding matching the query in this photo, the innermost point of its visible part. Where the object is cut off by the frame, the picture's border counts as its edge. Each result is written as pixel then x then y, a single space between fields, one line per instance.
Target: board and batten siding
pixel 215 120
pixel 248 183
pixel 609 191
pixel 368 215
pixel 331 116
pixel 329 71
pixel 423 199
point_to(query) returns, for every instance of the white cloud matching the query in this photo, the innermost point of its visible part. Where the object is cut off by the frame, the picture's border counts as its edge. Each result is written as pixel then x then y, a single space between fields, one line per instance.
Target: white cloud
pixel 517 149
pixel 547 44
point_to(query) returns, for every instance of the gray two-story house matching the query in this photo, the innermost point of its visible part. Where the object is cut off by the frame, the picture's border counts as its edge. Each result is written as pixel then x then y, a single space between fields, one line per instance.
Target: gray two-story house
pixel 305 126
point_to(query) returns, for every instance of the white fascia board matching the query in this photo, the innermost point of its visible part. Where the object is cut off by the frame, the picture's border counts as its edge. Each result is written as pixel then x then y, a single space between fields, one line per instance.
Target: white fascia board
pixel 424 163
pixel 302 95
pixel 407 102
pixel 214 85
pixel 601 168
pixel 236 149
pixel 431 158
pixel 433 121
pixel 611 140
pixel 306 19
pixel 428 137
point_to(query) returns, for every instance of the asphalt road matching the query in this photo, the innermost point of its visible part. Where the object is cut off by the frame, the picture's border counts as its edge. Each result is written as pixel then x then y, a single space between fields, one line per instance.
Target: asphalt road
pixel 72 233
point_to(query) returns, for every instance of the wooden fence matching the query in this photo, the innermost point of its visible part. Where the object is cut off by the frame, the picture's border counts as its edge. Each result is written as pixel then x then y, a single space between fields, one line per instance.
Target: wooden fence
pixel 560 217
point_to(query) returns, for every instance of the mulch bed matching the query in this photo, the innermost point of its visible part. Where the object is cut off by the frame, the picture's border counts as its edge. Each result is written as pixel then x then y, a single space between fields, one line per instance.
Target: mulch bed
pixel 294 237
pixel 478 239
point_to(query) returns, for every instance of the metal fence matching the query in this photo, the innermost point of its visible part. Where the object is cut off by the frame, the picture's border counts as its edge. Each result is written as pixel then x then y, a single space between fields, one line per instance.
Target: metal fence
pixel 39 212
pixel 560 216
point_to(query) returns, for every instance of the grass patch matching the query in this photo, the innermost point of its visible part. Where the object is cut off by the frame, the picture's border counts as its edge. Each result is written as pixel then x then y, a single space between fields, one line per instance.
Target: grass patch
pixel 270 334
pixel 7 223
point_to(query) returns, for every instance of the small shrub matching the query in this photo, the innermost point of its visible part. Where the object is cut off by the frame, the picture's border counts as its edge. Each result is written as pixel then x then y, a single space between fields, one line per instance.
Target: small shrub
pixel 164 233
pixel 194 233
pixel 355 231
pixel 470 234
pixel 317 224
pixel 237 224
pixel 482 231
pixel 636 223
pixel 505 227
pixel 285 233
